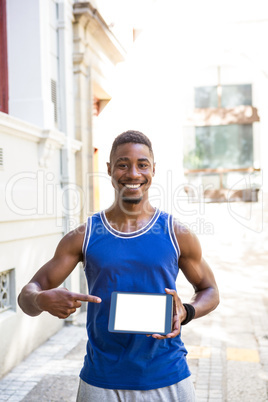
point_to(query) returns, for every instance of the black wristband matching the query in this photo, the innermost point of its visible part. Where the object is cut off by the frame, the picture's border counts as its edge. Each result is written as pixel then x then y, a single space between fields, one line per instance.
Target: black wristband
pixel 190 310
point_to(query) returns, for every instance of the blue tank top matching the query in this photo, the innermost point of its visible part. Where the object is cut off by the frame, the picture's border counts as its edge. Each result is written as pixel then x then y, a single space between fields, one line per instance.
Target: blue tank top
pixel 142 261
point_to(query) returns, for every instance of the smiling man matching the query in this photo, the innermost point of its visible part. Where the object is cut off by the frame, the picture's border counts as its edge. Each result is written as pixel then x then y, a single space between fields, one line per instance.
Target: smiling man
pixel 132 173
pixel 131 247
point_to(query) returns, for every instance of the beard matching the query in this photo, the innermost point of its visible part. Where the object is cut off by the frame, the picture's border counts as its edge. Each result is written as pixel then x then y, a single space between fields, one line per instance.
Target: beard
pixel 131 200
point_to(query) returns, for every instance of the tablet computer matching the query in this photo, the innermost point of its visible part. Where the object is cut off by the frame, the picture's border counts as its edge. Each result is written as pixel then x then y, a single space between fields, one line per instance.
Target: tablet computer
pixel 141 313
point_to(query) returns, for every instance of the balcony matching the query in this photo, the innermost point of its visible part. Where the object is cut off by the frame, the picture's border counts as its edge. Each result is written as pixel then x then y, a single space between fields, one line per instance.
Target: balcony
pixel 223 185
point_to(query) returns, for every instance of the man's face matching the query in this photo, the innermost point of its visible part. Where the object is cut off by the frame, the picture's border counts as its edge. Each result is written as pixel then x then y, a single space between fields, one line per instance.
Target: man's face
pixel 131 168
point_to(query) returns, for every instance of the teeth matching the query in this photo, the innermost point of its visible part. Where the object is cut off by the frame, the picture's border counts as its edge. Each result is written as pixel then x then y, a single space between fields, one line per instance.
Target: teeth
pixel 132 185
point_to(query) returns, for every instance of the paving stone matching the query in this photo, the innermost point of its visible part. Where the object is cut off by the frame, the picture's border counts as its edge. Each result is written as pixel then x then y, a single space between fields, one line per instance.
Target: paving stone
pixel 54 389
pixel 243 384
pixel 15 398
pixel 4 397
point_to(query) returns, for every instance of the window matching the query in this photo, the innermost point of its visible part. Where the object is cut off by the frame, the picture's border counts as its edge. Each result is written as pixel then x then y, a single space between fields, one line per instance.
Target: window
pixel 206 97
pixel 1 158
pixel 54 99
pixel 236 95
pixel 7 288
pixel 228 146
pixel 227 96
pixel 219 139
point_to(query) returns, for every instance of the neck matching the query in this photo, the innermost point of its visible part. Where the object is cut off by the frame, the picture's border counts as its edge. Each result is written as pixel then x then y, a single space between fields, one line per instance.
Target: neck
pixel 132 209
pixel 129 217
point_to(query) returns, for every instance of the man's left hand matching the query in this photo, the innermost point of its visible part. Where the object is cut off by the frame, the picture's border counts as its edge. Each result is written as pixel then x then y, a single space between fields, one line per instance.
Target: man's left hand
pixel 179 314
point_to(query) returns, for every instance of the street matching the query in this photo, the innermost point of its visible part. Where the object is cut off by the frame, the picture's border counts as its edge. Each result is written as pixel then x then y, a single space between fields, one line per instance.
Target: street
pixel 228 349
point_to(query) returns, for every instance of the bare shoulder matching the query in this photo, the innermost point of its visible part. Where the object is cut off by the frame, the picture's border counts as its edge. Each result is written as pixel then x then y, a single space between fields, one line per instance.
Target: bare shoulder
pixel 187 240
pixel 72 242
pixel 67 255
pixel 77 234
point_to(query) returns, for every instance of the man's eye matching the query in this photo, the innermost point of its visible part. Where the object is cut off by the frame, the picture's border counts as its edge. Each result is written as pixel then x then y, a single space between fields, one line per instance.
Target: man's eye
pixel 143 166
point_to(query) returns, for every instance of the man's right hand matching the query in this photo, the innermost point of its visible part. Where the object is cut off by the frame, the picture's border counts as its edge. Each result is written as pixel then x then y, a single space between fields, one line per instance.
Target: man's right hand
pixel 42 293
pixel 61 303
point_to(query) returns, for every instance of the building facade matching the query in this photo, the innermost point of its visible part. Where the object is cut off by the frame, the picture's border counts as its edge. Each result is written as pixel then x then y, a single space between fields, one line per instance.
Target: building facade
pixel 196 85
pixel 58 62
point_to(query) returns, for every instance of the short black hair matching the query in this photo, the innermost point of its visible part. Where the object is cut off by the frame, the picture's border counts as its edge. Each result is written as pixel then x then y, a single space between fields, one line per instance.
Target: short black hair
pixel 133 136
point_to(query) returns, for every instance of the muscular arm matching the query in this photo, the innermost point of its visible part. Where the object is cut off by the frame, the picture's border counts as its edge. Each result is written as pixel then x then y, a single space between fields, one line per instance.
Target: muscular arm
pixel 197 272
pixel 41 293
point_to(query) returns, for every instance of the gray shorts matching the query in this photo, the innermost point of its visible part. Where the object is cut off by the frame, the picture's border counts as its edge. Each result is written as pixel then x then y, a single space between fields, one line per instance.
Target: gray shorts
pixel 182 391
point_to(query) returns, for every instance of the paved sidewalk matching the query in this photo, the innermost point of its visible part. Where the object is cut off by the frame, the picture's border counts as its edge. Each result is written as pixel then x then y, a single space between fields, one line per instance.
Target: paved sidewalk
pixel 228 349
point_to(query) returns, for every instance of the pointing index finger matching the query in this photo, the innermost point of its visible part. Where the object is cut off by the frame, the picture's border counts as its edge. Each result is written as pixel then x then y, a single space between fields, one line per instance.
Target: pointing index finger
pixel 86 298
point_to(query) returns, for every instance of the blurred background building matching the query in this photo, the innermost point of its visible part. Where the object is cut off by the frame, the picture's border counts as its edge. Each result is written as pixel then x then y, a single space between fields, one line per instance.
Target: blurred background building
pixel 192 75
pixel 57 64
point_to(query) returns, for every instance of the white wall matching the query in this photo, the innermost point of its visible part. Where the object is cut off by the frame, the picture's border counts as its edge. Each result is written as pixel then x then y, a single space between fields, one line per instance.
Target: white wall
pixel 35 208
pixel 31 227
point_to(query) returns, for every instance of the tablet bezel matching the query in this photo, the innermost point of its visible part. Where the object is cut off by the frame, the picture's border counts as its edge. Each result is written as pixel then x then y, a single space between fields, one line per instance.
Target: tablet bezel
pixel 168 313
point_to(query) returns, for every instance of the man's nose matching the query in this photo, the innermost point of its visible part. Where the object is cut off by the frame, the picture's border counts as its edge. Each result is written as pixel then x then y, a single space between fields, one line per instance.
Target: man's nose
pixel 133 172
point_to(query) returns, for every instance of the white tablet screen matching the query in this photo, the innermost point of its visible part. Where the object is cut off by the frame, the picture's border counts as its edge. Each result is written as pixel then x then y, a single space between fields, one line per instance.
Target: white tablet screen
pixel 140 313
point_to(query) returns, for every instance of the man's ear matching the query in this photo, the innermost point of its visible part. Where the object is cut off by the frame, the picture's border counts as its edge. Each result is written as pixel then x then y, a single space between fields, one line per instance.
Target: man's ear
pixel 154 169
pixel 108 168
